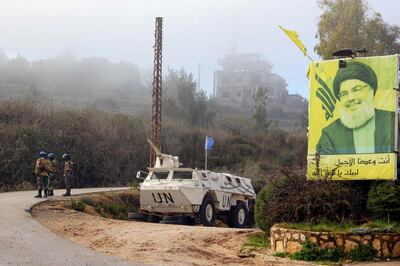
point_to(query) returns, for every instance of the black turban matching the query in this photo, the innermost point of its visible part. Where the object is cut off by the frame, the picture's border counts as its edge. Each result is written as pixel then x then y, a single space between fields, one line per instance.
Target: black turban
pixel 355 70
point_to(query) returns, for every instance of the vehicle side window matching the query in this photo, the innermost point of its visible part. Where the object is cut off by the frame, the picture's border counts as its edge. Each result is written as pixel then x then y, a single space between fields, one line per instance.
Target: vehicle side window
pixel 182 175
pixel 159 175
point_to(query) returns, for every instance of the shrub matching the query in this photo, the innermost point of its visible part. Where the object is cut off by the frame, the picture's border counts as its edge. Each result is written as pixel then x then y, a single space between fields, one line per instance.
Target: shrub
pixel 294 199
pixel 312 252
pixel 384 200
pixel 116 211
pixel 78 205
pixel 131 200
pixel 90 202
pixel 263 220
pixel 362 253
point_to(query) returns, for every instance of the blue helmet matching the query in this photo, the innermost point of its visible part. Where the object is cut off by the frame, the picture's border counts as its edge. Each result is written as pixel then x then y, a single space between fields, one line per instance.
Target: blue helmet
pixel 42 154
pixel 66 156
pixel 51 155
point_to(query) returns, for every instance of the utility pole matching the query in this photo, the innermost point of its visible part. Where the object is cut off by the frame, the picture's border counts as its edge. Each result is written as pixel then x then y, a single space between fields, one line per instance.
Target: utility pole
pixel 198 78
pixel 157 91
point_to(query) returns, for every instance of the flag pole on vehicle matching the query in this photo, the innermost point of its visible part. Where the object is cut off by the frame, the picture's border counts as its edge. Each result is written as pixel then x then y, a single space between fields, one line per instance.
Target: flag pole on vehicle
pixel 208 146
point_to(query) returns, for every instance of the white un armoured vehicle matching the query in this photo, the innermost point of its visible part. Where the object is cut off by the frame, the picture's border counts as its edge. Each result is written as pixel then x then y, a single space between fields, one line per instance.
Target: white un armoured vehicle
pixel 198 195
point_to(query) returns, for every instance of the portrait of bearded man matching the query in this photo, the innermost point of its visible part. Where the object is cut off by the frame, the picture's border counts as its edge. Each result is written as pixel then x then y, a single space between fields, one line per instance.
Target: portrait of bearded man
pixel 361 128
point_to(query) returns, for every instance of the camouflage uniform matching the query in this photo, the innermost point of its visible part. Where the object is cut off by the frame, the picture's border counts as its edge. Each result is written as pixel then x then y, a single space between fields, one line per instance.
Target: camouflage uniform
pixel 68 175
pixel 52 169
pixel 41 172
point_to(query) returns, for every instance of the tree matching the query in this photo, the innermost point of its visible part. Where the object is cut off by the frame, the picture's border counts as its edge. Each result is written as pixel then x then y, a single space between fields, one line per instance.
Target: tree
pixel 260 109
pixel 384 200
pixel 351 24
pixel 183 101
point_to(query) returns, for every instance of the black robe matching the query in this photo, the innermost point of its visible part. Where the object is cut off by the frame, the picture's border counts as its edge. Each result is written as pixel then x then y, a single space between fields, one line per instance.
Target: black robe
pixel 338 139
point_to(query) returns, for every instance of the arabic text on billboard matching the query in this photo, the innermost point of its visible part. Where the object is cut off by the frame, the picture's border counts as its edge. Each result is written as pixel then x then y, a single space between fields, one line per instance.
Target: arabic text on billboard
pixel 352 119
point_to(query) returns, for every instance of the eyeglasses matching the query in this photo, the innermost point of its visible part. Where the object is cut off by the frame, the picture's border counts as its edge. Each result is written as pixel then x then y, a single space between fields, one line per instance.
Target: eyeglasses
pixel 355 90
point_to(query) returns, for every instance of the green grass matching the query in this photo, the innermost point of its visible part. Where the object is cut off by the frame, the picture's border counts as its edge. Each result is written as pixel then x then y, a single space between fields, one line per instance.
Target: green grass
pixel 133 185
pixel 363 253
pixel 257 241
pixel 78 205
pixel 340 228
pixel 382 224
pixel 281 254
pixel 325 226
pixel 116 211
pixel 313 252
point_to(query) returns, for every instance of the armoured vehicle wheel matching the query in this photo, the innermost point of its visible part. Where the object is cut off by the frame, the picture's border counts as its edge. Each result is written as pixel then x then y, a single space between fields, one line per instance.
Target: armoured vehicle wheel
pixel 173 220
pixel 238 215
pixel 190 221
pixel 138 217
pixel 154 219
pixel 207 211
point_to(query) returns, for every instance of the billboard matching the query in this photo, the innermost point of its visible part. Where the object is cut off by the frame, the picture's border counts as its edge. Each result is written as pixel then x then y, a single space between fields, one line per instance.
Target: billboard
pixel 353 119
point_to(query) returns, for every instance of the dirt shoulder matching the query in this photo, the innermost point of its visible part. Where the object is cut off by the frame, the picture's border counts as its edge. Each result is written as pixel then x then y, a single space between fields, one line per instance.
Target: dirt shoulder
pixel 158 244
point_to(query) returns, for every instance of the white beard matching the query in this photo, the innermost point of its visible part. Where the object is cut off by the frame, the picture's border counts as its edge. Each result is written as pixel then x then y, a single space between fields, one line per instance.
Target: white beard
pixel 356 119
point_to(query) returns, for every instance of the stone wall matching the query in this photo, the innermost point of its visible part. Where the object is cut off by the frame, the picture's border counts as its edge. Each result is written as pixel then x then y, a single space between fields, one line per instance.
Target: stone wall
pixel 290 240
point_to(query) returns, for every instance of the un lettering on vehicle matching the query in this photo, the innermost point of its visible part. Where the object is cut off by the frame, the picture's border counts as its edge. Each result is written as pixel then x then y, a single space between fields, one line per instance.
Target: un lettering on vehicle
pixel 162 197
pixel 226 201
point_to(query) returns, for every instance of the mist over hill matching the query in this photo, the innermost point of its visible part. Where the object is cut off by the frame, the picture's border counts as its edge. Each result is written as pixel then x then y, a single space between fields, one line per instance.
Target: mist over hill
pixel 69 81
pixel 95 82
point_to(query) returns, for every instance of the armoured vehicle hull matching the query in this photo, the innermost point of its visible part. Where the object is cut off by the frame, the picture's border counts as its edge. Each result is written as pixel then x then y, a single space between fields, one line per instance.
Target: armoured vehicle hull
pixel 198 194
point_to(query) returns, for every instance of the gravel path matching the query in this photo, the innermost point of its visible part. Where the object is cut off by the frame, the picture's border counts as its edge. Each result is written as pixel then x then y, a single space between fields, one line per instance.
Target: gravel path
pixel 24 241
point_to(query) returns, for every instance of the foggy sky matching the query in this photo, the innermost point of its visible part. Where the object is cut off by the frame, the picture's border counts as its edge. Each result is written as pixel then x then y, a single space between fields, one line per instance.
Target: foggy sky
pixel 195 31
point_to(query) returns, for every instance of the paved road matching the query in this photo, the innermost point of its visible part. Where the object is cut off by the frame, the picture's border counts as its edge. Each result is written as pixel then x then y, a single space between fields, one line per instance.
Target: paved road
pixel 24 241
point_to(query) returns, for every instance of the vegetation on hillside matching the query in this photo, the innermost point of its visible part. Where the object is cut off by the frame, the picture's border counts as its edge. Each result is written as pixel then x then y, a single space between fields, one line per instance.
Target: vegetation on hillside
pixel 109 148
pixel 352 24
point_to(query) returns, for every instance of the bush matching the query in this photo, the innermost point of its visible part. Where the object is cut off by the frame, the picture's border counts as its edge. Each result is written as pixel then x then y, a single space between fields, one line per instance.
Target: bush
pixel 130 200
pixel 294 199
pixel 107 148
pixel 312 252
pixel 116 211
pixel 384 200
pixel 263 220
pixel 257 241
pixel 362 253
pixel 90 202
pixel 78 205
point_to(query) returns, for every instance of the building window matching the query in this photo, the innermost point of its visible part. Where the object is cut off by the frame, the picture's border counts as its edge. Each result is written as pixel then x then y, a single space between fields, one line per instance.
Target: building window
pixel 247 94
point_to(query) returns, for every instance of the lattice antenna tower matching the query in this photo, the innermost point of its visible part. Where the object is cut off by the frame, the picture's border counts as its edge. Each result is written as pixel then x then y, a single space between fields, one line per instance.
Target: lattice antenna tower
pixel 157 90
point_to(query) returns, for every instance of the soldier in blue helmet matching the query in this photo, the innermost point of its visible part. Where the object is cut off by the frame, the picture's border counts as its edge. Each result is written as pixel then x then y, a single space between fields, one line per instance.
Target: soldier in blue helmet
pixel 52 170
pixel 41 173
pixel 68 174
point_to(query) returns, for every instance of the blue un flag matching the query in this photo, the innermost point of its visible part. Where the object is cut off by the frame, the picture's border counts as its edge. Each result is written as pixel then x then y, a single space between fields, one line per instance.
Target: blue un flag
pixel 209 143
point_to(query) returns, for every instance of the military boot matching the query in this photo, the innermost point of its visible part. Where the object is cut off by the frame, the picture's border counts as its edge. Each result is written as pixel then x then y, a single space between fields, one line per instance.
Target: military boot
pixel 51 193
pixel 67 193
pixel 45 193
pixel 39 195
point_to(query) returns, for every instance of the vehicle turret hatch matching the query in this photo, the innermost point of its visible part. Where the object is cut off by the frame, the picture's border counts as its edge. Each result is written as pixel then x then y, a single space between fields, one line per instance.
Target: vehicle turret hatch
pixel 204 176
